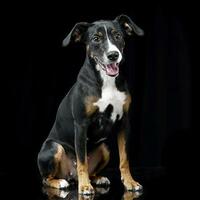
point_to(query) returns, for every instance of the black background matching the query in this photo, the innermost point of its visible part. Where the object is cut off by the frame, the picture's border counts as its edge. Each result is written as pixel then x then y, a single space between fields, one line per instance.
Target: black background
pixel 39 72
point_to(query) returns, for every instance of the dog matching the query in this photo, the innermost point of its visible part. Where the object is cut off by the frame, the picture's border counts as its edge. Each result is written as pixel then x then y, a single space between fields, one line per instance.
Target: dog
pixel 95 107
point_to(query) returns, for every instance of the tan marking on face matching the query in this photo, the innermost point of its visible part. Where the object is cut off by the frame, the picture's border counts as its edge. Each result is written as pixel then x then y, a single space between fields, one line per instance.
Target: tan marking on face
pixel 87 49
pixel 89 53
pixel 127 103
pixel 77 35
pixel 100 34
pixel 90 108
pixel 113 31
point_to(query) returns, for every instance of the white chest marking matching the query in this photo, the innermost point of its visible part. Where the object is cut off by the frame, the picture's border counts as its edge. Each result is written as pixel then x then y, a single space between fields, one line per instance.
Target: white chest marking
pixel 110 95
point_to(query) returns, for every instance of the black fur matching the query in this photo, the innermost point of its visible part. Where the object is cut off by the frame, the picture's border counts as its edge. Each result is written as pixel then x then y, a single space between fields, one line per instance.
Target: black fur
pixel 77 132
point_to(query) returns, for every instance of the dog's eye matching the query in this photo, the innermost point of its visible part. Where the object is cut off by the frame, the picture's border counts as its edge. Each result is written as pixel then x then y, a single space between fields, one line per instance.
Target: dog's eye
pixel 118 36
pixel 96 39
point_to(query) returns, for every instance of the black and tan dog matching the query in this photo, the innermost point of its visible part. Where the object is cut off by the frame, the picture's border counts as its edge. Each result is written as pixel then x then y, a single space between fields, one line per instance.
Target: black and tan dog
pixel 95 107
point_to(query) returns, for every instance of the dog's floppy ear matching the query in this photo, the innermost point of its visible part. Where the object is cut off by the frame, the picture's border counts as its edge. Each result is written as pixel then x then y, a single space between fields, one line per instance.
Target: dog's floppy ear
pixel 76 34
pixel 128 26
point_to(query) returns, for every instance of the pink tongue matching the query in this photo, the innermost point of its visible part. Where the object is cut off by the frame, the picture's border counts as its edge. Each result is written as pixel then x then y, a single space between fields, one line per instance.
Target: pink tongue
pixel 112 69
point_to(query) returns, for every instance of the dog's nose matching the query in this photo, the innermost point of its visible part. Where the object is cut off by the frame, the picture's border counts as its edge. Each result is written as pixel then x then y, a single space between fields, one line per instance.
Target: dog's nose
pixel 113 55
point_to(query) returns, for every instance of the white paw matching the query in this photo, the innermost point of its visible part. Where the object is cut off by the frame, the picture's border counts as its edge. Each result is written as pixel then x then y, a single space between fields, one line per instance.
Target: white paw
pixel 102 190
pixel 87 192
pixel 101 181
pixel 138 187
pixel 63 184
pixel 63 194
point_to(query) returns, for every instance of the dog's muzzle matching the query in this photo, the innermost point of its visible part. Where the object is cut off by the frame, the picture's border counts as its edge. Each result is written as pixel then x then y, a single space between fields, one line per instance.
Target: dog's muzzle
pixel 111 69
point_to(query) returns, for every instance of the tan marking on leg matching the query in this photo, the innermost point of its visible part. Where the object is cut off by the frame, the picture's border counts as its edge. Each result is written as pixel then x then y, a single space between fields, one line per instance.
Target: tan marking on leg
pixel 127 103
pixel 84 186
pixel 64 164
pixel 61 168
pixel 126 176
pixel 90 108
pixel 59 153
pixel 57 160
pixel 60 162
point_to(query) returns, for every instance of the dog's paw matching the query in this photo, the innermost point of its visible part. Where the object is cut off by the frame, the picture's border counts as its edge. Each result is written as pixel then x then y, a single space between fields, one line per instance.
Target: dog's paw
pixel 132 186
pixel 56 183
pixel 102 190
pixel 86 189
pixel 63 184
pixel 55 192
pixel 101 181
pixel 85 197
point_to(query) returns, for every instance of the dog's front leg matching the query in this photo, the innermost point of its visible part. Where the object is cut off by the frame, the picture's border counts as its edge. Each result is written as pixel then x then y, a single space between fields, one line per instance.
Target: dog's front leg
pixel 126 177
pixel 84 186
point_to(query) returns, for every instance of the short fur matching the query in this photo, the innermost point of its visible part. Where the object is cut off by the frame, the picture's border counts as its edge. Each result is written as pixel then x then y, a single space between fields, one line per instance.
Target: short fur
pixel 95 107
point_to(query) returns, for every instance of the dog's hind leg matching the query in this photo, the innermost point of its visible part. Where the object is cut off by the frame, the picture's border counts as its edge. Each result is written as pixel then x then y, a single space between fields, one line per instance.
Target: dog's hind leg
pixel 97 161
pixel 54 165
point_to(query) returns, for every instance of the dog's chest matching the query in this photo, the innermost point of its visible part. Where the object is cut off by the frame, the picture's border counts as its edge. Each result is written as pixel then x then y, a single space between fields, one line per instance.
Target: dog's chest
pixel 111 96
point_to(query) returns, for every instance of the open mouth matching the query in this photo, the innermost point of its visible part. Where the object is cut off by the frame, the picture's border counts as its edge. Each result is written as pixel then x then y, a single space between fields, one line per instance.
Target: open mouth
pixel 111 69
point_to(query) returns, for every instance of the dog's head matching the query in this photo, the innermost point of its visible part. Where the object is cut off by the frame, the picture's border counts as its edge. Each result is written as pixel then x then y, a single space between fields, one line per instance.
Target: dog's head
pixel 104 41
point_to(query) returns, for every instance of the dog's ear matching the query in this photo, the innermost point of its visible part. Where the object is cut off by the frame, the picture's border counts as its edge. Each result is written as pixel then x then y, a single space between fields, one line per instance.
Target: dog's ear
pixel 128 26
pixel 76 34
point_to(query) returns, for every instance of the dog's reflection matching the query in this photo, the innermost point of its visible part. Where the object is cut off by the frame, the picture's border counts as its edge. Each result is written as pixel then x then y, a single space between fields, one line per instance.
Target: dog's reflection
pixel 72 194
pixel 131 195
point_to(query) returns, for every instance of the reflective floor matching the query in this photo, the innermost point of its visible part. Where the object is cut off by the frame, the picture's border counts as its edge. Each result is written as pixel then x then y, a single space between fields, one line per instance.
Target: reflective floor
pixel 100 193
pixel 157 185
